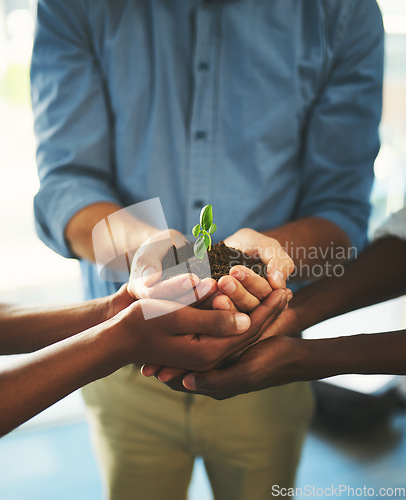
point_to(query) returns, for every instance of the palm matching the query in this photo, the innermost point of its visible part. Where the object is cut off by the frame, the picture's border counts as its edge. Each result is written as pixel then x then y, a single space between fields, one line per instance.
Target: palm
pixel 286 324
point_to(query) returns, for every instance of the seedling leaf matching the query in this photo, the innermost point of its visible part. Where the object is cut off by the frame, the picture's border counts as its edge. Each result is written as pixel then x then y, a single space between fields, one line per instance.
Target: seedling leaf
pixel 207 241
pixel 200 247
pixel 203 232
pixel 196 231
pixel 206 217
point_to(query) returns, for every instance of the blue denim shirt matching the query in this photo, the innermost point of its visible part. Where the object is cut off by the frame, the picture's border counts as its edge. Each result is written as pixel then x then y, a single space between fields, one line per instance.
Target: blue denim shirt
pixel 268 110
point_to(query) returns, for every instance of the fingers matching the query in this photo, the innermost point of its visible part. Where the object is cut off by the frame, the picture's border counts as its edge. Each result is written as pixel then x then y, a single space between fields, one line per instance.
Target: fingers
pixel 283 305
pixel 146 265
pixel 219 384
pixel 244 288
pixel 150 370
pixel 278 268
pixel 261 317
pixel 170 289
pixel 208 303
pixel 163 373
pixel 269 250
pixel 251 281
pixel 189 320
pixel 200 294
pixel 166 374
pixel 242 299
pixel 223 303
pixel 146 268
pixel 266 311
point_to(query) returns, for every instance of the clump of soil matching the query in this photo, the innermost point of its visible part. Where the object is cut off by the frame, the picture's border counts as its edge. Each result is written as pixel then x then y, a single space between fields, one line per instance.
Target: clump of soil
pixel 221 259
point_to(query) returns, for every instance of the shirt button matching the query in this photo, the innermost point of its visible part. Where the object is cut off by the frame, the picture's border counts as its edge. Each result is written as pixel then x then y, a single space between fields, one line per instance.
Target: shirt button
pixel 200 135
pixel 198 204
pixel 203 66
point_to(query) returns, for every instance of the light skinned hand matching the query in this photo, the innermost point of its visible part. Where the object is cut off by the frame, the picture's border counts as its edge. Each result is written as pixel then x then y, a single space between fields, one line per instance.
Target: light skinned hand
pixel 146 272
pixel 279 264
pixel 245 288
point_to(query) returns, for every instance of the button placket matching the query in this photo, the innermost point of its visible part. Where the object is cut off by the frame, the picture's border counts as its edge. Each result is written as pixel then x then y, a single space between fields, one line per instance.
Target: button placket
pixel 201 143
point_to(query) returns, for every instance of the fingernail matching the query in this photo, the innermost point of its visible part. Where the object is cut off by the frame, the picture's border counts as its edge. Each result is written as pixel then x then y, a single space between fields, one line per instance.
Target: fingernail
pixel 238 274
pixel 189 381
pixel 278 278
pixel 242 322
pixel 290 295
pixel 229 287
pixel 143 372
pixel 146 274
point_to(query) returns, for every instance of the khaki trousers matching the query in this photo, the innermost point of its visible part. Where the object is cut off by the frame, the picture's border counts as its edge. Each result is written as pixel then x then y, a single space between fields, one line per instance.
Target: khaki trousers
pixel 146 437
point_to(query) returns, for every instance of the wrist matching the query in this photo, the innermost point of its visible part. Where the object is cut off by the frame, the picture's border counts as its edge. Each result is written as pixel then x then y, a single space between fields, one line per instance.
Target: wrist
pixel 308 307
pixel 112 346
pixel 322 358
pixel 102 309
pixel 124 331
pixel 295 361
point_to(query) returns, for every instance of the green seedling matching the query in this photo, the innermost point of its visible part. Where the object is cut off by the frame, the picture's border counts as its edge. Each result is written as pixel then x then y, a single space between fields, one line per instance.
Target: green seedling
pixel 203 232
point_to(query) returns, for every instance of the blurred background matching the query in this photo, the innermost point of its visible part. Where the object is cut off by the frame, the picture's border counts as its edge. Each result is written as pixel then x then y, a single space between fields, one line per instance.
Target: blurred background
pixel 359 435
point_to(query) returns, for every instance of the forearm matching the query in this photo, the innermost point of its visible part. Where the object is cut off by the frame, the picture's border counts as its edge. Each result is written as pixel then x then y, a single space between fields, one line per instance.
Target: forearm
pixel 312 241
pixel 129 233
pixel 378 274
pixel 364 354
pixel 28 328
pixel 36 381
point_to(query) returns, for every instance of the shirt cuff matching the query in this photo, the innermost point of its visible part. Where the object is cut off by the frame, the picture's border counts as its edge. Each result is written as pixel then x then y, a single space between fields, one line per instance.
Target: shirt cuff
pixel 55 205
pixel 352 228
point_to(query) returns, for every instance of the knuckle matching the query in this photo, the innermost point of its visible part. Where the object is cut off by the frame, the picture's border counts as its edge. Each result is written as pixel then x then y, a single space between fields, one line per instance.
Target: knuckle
pixel 291 266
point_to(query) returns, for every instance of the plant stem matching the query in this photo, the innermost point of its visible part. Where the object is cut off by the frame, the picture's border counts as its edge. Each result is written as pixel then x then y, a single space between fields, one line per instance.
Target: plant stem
pixel 209 240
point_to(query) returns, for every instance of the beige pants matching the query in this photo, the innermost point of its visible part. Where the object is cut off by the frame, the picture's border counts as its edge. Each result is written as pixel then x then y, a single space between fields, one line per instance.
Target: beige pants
pixel 146 437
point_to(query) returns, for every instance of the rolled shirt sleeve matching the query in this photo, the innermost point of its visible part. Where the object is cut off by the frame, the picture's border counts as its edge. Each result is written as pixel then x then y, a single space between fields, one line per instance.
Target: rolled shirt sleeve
pixel 342 135
pixel 72 121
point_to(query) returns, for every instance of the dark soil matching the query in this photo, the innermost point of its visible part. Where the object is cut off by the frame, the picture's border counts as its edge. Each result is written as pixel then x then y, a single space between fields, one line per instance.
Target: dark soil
pixel 221 258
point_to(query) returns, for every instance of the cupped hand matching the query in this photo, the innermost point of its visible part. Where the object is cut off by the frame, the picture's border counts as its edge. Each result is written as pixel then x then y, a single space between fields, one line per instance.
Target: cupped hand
pixel 245 288
pixel 263 315
pixel 242 290
pixel 288 324
pixel 278 263
pixel 187 337
pixel 146 271
pixel 268 363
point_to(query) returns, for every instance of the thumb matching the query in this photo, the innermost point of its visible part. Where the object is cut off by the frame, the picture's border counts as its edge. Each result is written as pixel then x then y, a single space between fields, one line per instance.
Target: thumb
pixel 219 384
pixel 163 244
